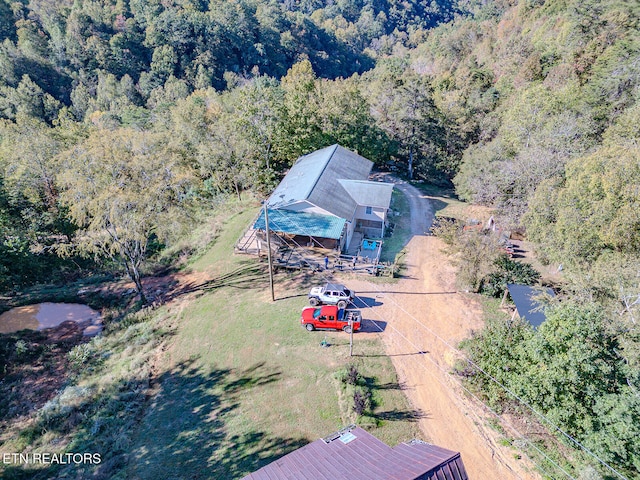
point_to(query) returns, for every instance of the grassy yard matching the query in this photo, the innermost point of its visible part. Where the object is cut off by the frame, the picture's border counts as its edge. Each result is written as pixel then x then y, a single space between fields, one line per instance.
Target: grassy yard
pixel 215 384
pixel 446 204
pixel 243 383
pixel 400 216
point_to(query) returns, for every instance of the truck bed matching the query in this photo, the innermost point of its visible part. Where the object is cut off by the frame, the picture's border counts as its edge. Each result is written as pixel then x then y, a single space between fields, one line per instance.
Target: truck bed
pixel 346 315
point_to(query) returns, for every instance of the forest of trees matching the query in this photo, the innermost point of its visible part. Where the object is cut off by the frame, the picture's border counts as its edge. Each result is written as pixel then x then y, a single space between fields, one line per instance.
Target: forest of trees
pixel 120 120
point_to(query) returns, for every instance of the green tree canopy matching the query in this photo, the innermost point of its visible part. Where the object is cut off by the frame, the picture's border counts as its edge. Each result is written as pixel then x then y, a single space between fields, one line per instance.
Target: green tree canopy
pixel 122 189
pixel 594 210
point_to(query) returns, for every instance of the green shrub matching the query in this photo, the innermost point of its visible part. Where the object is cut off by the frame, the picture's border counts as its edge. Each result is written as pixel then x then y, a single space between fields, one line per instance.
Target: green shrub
pixel 22 348
pixel 447 229
pixel 63 404
pixel 350 375
pixel 508 271
pixel 361 400
pixel 79 355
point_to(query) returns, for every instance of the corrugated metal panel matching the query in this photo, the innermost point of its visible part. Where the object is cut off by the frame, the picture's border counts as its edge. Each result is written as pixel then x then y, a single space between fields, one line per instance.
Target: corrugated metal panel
pixel 429 462
pixel 364 458
pixel 369 194
pixel 528 307
pixel 328 193
pixel 302 177
pixel 315 178
pixel 302 223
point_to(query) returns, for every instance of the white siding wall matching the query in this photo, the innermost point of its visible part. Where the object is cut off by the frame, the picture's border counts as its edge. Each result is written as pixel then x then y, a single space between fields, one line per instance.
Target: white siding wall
pixel 350 228
pixel 377 214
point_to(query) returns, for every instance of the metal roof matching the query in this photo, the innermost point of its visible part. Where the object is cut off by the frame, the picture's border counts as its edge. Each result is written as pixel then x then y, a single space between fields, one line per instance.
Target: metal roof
pixel 526 303
pixel 302 177
pixel 355 454
pixel 369 194
pixel 314 177
pixel 302 223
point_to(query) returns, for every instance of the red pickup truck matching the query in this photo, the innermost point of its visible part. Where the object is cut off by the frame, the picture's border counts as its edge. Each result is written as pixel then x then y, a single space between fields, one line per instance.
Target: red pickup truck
pixel 330 317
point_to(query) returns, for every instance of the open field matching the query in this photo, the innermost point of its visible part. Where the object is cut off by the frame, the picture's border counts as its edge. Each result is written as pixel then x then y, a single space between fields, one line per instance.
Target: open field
pixel 242 383
pixel 214 384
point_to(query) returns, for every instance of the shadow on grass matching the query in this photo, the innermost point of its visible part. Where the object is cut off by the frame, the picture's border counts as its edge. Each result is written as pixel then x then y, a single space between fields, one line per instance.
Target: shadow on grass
pixel 188 430
pixel 401 415
pixel 302 295
pixel 437 205
pixel 399 226
pixel 187 433
pixel 410 415
pixel 410 293
pixel 33 367
pixel 250 275
pixel 421 352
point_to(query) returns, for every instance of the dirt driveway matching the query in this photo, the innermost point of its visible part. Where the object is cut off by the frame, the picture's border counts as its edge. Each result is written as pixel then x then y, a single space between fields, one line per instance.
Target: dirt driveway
pixel 425 318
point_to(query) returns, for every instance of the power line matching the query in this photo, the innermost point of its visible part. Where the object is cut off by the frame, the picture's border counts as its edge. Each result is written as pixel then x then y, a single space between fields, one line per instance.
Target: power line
pixel 576 442
pixel 473 395
pixel 440 368
pixel 491 410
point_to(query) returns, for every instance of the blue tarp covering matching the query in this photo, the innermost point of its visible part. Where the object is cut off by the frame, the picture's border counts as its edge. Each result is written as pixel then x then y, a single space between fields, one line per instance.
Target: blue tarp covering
pixel 528 307
pixel 301 223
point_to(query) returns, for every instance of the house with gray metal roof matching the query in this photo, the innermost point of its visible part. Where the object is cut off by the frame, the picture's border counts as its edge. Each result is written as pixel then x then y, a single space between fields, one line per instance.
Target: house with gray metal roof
pixel 354 454
pixel 327 195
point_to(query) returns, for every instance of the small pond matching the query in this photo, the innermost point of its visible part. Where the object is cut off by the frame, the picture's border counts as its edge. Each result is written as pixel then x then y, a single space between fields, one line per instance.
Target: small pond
pixel 48 315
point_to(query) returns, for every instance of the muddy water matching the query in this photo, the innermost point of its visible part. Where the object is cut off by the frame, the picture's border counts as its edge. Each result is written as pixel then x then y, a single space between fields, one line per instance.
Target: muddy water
pixel 49 315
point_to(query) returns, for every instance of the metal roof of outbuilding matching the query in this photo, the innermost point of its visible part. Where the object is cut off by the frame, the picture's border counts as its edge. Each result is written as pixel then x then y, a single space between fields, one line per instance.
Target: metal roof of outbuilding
pixel 527 305
pixel 302 223
pixel 355 454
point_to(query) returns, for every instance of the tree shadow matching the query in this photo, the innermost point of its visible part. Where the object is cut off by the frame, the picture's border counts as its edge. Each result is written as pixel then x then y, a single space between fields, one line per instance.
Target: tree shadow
pixel 411 415
pixel 187 429
pixel 250 275
pixel 187 432
pixel 401 415
pixel 392 386
pixel 364 302
pixel 405 276
pixel 34 365
pixel 436 204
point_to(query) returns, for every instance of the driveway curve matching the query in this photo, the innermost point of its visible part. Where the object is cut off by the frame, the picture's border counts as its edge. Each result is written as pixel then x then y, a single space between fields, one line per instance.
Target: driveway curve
pixel 426 319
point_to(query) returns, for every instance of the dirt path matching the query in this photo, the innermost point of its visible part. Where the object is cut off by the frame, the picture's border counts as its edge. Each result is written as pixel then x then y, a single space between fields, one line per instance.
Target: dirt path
pixel 423 313
pixel 423 317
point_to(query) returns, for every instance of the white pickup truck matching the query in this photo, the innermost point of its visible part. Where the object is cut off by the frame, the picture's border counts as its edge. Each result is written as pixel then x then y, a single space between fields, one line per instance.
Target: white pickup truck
pixel 331 294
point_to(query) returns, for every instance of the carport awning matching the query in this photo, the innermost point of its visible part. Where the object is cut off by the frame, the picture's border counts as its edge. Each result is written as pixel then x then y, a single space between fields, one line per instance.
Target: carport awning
pixel 302 223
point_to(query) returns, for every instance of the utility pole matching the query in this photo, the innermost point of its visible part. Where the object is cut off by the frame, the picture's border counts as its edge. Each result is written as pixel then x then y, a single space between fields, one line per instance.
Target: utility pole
pixel 350 334
pixel 266 222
